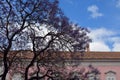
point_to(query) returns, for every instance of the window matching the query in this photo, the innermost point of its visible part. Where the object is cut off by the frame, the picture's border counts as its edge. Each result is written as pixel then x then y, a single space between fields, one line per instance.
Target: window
pixel 74 76
pixel 1 70
pixel 110 75
pixel 110 78
pixel 92 76
pixel 17 76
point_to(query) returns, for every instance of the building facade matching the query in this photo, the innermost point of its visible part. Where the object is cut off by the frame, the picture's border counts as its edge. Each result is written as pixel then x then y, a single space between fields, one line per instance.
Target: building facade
pixel 107 63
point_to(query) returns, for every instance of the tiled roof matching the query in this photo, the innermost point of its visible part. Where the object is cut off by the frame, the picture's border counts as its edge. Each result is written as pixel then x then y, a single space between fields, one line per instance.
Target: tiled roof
pixel 25 54
pixel 92 55
pixel 68 55
pixel 102 55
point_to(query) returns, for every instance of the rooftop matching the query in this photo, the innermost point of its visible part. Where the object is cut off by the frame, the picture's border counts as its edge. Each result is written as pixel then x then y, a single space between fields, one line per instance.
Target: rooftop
pixel 67 55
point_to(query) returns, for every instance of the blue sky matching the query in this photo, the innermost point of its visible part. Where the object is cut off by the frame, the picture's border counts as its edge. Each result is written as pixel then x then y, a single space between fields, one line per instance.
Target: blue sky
pixel 102 17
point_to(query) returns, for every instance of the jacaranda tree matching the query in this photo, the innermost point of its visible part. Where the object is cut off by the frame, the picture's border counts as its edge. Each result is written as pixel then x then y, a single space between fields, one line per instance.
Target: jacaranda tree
pixel 20 25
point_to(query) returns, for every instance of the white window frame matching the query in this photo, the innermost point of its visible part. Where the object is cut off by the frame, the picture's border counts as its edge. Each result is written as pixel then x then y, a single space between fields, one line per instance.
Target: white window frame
pixel 17 76
pixel 110 78
pixel 110 75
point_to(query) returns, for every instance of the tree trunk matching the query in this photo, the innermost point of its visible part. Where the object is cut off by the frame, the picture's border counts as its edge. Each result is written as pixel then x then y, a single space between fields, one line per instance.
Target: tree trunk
pixel 5 66
pixel 5 71
pixel 4 74
pixel 27 69
pixel 26 73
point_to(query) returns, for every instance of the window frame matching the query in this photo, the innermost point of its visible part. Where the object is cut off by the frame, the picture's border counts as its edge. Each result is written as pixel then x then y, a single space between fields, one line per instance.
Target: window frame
pixel 110 75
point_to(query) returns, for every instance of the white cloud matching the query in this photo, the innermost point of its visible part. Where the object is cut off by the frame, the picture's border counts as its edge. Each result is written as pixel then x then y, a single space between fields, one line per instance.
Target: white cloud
pixel 99 46
pixel 102 37
pixel 118 3
pixel 94 11
pixel 116 39
pixel 101 34
pixel 116 47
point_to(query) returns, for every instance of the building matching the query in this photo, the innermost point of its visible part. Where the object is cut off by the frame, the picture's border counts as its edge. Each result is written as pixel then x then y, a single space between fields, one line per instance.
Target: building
pixel 108 63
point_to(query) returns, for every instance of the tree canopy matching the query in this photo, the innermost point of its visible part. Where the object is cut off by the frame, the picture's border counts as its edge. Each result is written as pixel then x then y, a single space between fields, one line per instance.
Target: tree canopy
pixel 21 24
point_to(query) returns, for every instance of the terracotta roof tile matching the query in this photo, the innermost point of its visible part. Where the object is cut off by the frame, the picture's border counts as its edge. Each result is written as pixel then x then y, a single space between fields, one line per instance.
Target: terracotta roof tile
pixel 102 55
pixel 68 55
